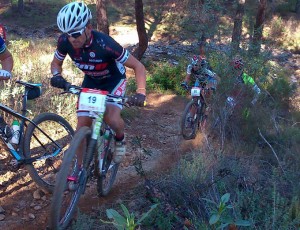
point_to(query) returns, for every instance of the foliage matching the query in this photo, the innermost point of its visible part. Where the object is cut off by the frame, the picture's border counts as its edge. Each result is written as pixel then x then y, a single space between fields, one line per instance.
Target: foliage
pixel 128 221
pixel 83 221
pixel 166 77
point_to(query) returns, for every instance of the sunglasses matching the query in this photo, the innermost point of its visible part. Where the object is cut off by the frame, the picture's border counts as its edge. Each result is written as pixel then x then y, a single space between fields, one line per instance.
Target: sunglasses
pixel 76 34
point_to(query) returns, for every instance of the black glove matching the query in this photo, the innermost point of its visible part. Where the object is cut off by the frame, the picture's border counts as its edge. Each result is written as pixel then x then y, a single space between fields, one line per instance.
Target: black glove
pixel 59 82
pixel 184 85
pixel 137 99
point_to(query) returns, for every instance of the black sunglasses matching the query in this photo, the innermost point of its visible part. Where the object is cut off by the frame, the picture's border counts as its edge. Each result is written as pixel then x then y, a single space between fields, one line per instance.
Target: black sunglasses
pixel 76 34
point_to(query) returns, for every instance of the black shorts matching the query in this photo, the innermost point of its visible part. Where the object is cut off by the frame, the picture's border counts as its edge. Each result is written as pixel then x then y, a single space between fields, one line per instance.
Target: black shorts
pixel 103 84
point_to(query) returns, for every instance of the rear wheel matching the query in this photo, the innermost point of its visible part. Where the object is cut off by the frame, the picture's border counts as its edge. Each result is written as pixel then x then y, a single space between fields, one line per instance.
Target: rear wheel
pixel 106 168
pixel 189 121
pixel 52 148
pixel 68 191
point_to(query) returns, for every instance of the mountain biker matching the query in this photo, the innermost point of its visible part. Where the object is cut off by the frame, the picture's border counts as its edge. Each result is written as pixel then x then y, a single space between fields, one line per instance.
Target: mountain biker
pixel 102 60
pixel 242 78
pixel 200 69
pixel 7 63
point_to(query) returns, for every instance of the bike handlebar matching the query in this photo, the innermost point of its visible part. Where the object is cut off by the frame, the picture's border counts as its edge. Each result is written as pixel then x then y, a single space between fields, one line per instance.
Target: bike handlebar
pixel 122 100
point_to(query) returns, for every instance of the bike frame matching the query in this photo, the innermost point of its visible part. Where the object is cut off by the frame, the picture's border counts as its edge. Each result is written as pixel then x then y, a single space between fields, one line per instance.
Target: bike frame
pixel 96 129
pixel 17 152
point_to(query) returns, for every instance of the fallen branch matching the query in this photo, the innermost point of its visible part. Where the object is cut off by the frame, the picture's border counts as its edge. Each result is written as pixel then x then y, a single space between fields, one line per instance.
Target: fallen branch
pixel 275 154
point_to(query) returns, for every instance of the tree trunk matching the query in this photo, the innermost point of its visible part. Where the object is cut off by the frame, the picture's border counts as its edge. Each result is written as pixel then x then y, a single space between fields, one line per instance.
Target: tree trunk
pixel 255 46
pixel 298 8
pixel 21 6
pixel 238 25
pixel 141 30
pixel 102 21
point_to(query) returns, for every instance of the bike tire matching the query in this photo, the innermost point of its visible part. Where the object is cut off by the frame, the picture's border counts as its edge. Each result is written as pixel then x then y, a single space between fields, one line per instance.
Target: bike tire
pixel 107 169
pixel 36 144
pixel 187 132
pixel 66 194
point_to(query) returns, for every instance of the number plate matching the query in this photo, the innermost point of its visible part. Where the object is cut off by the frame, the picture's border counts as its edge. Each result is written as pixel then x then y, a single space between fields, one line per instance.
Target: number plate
pixel 195 91
pixel 92 100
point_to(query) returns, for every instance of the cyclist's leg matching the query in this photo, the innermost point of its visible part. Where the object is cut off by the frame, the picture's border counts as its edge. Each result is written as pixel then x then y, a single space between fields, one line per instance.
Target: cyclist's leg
pixel 113 118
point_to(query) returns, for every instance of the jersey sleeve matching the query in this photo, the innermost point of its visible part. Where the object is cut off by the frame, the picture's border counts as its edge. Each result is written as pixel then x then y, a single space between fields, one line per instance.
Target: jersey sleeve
pixel 2 45
pixel 61 51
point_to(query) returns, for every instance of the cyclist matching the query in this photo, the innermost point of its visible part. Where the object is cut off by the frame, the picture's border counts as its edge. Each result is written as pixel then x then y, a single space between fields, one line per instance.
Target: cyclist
pixel 242 78
pixel 201 70
pixel 7 63
pixel 102 60
pixel 6 60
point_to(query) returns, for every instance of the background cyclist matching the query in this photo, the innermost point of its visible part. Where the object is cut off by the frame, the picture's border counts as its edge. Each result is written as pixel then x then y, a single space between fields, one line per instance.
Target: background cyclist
pixel 7 63
pixel 241 78
pixel 199 68
pixel 102 60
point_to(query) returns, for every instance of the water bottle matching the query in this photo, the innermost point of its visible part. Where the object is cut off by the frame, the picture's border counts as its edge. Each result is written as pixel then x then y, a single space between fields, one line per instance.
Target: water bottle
pixel 16 132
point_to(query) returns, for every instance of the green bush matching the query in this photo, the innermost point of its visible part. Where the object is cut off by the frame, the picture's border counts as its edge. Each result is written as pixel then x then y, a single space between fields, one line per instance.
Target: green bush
pixel 165 76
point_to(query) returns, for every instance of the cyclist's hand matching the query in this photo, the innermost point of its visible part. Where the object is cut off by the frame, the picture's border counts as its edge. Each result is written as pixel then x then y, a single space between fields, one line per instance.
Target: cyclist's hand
pixel 184 85
pixel 59 82
pixel 137 99
pixel 4 74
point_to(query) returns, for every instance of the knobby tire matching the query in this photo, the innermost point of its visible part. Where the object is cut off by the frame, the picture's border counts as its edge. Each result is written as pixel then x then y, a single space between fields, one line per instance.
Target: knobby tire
pixel 36 144
pixel 61 212
pixel 189 133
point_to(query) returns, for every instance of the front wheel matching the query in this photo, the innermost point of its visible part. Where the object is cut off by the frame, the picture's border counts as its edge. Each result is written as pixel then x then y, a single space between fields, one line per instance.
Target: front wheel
pixel 70 183
pixel 106 168
pixel 189 121
pixel 50 148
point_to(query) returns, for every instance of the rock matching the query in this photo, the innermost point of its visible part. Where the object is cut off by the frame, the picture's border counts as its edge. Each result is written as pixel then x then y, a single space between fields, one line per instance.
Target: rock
pixel 37 194
pixel 2 210
pixel 14 214
pixel 37 207
pixel 2 217
pixel 31 216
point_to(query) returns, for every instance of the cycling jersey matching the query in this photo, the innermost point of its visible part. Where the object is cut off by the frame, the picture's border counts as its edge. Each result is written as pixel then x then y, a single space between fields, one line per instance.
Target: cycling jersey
pixel 102 60
pixel 203 74
pixel 248 80
pixel 2 45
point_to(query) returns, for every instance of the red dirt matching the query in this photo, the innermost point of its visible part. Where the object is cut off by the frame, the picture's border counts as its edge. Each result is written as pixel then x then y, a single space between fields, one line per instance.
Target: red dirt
pixel 157 125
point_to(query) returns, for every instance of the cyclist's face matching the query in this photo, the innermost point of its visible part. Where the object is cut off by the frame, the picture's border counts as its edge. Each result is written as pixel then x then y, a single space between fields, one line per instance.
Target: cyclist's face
pixel 78 38
pixel 196 66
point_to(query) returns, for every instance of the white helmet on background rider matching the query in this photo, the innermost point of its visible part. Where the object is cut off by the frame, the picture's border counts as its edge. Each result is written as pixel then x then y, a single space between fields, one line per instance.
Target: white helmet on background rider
pixel 73 16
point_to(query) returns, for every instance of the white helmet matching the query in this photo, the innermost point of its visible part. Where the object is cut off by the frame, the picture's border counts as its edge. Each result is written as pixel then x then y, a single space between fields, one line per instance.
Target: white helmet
pixel 73 16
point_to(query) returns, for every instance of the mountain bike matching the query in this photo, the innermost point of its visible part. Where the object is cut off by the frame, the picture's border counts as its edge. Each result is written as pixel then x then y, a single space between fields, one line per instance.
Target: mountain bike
pixel 193 117
pixel 97 142
pixel 42 141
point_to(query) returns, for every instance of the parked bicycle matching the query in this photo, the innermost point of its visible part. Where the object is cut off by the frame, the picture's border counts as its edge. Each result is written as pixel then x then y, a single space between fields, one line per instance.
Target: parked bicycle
pixel 97 142
pixel 41 142
pixel 194 117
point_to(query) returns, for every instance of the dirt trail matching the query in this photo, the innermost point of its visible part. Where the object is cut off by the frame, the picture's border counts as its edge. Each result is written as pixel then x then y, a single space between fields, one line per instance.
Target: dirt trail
pixel 157 125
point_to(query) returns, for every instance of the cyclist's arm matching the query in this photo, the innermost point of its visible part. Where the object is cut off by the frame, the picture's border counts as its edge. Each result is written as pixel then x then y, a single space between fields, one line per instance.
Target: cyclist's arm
pixel 140 73
pixel 188 74
pixel 56 66
pixel 6 60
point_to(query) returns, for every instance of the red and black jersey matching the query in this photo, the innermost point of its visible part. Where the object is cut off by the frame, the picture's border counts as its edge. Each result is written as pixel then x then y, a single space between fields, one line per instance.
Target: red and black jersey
pixel 101 60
